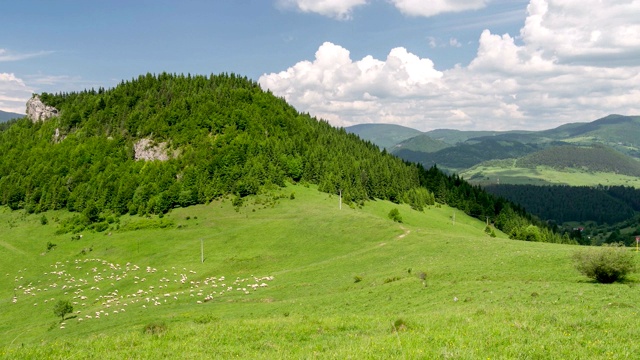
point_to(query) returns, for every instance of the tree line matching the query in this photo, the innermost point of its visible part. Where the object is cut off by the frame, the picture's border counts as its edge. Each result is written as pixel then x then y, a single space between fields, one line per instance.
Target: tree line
pixel 563 203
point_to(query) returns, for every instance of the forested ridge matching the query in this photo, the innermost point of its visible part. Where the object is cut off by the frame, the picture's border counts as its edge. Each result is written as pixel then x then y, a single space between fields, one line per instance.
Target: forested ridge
pixel 610 205
pixel 595 158
pixel 225 136
pixel 468 154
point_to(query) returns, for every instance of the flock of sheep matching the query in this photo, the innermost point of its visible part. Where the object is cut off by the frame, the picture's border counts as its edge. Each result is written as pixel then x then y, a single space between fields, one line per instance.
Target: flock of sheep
pixel 80 282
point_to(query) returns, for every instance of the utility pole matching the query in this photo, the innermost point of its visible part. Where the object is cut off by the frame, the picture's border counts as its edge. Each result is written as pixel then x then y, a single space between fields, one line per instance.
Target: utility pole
pixel 201 251
pixel 340 199
pixel 454 218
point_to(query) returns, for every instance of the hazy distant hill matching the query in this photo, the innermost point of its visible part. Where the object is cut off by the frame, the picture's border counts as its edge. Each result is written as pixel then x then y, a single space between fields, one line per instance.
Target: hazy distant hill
pixel 423 143
pixel 457 136
pixel 467 154
pixel 596 158
pixel 383 135
pixel 4 116
pixel 470 148
pixel 617 131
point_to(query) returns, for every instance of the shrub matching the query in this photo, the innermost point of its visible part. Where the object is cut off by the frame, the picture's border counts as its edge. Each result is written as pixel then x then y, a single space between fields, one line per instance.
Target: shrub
pixel 394 215
pixel 62 308
pixel 606 264
pixel 391 279
pixel 44 220
pixel 399 325
pixel 101 226
pixel 357 279
pixel 50 245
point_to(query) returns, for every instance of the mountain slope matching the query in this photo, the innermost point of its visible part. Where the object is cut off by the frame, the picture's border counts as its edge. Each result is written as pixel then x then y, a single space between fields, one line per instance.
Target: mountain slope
pixel 597 158
pixel 454 137
pixel 467 154
pixel 5 116
pixel 420 143
pixel 220 135
pixel 617 131
pixel 383 135
pixel 206 138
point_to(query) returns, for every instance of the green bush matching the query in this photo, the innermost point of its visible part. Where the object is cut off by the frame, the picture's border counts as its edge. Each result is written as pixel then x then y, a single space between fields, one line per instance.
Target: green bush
pixel 606 264
pixel 101 226
pixel 394 215
pixel 62 308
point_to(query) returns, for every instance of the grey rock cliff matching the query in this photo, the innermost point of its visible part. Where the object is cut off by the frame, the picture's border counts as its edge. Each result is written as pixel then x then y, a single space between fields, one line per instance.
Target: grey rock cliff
pixel 145 149
pixel 38 111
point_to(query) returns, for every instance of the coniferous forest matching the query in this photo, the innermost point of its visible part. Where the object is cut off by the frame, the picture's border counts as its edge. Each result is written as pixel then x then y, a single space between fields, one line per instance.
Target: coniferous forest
pixel 224 136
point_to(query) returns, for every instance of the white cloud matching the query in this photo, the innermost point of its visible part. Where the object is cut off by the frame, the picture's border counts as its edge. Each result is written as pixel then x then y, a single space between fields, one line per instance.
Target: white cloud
pixel 339 9
pixel 435 7
pixel 13 93
pixel 585 32
pixel 342 9
pixel 6 55
pixel 573 61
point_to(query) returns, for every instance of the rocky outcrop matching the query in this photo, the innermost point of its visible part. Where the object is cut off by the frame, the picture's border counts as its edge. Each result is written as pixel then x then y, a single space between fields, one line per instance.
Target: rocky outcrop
pixel 38 111
pixel 57 136
pixel 146 149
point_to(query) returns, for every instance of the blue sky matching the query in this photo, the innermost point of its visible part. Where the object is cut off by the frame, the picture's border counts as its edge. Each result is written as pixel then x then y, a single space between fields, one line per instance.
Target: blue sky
pixel 464 64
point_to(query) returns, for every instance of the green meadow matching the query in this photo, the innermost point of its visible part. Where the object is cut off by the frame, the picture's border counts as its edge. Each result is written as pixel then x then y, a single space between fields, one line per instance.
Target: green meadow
pixel 290 275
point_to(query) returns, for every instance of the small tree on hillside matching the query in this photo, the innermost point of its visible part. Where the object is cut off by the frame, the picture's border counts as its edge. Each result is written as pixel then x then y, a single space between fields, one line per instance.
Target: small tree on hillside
pixel 394 215
pixel 606 264
pixel 62 308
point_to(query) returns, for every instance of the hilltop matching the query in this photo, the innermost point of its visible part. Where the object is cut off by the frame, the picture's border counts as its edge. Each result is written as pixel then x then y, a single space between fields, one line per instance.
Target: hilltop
pixel 159 142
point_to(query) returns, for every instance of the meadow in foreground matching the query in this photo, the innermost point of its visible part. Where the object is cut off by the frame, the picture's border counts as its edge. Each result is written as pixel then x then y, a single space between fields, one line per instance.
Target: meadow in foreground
pixel 302 279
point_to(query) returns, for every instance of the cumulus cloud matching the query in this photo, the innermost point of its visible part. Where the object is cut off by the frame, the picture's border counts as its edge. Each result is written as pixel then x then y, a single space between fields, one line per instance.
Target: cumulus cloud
pixel 585 32
pixel 565 66
pixel 13 93
pixel 339 9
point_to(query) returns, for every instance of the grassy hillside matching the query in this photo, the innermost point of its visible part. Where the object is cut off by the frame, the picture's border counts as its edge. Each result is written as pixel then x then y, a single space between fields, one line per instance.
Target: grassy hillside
pixel 352 290
pixel 569 165
pixel 504 172
pixel 383 135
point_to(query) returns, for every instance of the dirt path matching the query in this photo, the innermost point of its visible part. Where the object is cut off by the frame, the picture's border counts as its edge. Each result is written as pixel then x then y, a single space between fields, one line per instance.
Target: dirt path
pixel 406 232
pixel 345 256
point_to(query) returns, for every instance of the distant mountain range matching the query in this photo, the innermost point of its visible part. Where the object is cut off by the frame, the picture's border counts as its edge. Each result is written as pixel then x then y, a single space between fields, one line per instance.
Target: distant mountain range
pixel 610 145
pixel 4 116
